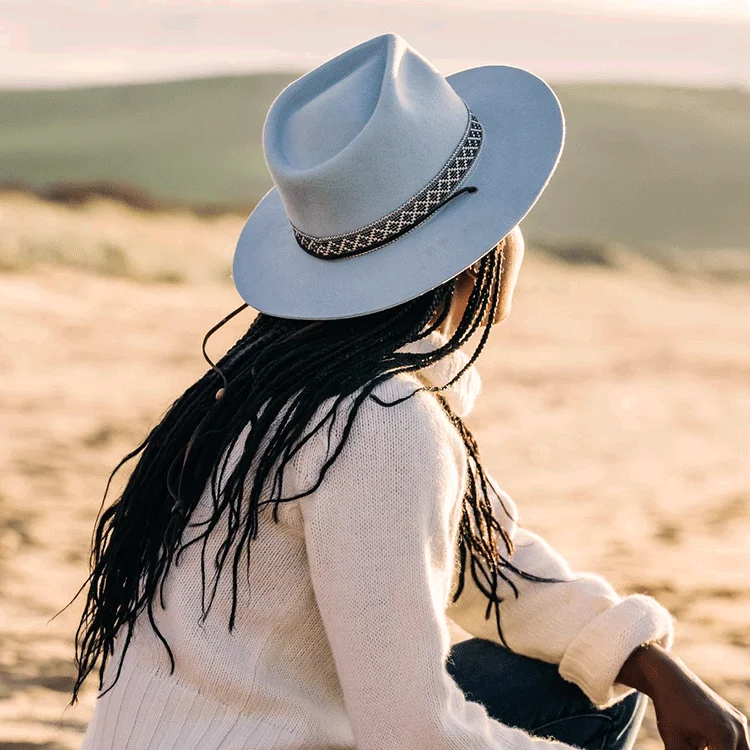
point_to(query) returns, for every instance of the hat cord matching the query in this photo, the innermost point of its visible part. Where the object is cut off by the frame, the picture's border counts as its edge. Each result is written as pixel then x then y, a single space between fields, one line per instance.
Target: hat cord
pixel 179 506
pixel 407 228
pixel 467 189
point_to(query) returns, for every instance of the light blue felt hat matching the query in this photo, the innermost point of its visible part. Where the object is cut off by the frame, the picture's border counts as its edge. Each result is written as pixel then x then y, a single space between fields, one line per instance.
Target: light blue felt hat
pixel 390 179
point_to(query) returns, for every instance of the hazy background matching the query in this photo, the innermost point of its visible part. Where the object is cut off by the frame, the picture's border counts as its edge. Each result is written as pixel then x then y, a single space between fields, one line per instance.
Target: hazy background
pixel 616 398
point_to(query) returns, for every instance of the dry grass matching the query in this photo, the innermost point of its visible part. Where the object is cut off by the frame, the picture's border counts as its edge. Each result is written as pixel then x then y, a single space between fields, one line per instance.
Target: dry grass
pixel 111 239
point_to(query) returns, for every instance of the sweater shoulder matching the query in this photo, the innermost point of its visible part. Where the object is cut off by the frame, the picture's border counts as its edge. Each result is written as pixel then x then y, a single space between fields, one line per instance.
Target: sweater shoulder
pixel 398 412
pixel 412 404
pixel 396 419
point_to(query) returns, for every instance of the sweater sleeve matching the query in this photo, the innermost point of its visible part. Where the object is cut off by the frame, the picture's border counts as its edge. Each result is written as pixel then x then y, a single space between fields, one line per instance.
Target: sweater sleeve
pixel 581 624
pixel 380 549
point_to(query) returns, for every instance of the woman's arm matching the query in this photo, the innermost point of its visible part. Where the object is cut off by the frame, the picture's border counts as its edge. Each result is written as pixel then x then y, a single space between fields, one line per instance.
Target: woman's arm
pixel 688 712
pixel 581 624
pixel 380 549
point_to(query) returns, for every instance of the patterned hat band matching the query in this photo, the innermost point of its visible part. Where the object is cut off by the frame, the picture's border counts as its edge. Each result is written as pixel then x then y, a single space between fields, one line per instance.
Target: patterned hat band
pixel 435 195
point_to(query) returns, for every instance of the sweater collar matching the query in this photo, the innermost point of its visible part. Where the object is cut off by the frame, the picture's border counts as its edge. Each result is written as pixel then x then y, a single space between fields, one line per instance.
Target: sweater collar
pixel 460 396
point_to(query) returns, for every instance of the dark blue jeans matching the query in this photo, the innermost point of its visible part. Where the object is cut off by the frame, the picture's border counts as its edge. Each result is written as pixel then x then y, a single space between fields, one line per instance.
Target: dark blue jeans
pixel 530 694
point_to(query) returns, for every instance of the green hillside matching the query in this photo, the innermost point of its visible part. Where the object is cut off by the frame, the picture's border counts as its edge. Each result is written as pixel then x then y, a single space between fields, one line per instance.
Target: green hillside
pixel 642 163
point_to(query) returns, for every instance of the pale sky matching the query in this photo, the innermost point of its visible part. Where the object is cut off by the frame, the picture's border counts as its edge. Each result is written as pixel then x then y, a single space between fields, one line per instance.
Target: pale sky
pixel 675 8
pixel 77 42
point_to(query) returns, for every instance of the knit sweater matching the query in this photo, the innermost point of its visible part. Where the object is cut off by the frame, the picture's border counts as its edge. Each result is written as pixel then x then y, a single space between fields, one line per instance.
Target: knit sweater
pixel 342 634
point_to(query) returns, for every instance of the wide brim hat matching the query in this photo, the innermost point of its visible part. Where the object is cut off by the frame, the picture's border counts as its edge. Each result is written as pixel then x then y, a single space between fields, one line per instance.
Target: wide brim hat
pixel 374 155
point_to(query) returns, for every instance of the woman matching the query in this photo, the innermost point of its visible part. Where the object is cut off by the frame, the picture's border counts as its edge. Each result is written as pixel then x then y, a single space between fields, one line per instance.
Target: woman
pixel 281 567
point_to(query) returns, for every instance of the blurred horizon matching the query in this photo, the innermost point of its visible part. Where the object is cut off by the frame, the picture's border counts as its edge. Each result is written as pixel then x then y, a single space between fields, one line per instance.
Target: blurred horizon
pixel 684 42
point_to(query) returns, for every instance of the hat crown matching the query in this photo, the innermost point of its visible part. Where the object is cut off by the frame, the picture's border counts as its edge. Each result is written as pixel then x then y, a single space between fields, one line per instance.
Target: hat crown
pixel 358 136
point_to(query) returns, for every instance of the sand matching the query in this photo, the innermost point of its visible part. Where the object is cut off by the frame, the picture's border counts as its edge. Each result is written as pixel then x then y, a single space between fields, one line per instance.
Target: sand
pixel 615 410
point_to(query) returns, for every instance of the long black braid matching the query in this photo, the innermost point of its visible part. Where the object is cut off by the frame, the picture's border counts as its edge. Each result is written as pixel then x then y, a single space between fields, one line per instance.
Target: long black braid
pixel 279 373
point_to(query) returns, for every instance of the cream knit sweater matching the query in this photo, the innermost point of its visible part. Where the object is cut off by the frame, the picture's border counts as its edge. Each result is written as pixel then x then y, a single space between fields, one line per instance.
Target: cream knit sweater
pixel 342 635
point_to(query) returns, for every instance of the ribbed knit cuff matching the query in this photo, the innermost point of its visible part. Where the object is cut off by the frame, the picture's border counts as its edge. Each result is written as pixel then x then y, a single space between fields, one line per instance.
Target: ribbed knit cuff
pixel 595 656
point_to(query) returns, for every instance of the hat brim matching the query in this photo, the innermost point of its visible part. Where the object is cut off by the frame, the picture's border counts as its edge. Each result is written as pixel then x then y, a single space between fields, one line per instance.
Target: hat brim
pixel 524 132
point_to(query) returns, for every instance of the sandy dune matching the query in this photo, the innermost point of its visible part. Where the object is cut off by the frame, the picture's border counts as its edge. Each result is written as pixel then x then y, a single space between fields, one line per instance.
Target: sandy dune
pixel 615 410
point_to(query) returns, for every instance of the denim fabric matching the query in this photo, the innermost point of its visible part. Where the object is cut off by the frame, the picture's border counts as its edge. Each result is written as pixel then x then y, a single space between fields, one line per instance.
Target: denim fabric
pixel 530 694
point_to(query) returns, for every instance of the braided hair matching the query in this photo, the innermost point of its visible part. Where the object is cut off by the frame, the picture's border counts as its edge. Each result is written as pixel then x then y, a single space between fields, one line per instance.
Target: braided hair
pixel 279 372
